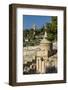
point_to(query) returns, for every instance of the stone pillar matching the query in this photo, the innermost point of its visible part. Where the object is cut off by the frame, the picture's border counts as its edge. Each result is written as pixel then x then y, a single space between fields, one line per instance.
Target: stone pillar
pixel 45 59
pixel 40 64
pixel 37 65
pixel 43 67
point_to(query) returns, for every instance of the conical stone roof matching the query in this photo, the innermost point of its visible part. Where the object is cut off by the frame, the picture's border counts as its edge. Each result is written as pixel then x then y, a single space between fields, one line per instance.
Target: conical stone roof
pixel 44 40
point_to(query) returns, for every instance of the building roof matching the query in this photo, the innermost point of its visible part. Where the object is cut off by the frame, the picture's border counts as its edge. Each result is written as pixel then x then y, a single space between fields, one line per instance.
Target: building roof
pixel 44 40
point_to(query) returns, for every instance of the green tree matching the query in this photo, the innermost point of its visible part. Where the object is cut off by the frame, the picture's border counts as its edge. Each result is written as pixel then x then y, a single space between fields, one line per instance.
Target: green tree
pixel 52 30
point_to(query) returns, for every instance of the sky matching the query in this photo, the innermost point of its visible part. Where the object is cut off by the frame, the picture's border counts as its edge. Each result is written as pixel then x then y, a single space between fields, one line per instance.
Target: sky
pixel 39 21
